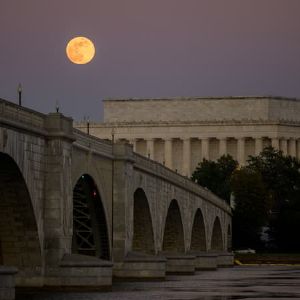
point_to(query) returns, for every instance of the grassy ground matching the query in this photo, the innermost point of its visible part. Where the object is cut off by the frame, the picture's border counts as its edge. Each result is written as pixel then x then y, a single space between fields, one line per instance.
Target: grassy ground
pixel 269 258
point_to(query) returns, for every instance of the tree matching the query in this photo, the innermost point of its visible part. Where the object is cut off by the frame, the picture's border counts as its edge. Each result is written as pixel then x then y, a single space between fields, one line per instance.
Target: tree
pixel 250 211
pixel 216 175
pixel 280 174
pixel 284 228
pixel 281 177
pixel 266 191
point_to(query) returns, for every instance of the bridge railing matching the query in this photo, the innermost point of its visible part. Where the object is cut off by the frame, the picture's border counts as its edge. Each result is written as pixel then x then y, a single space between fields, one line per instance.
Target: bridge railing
pixel 16 113
pixel 150 166
pixel 92 143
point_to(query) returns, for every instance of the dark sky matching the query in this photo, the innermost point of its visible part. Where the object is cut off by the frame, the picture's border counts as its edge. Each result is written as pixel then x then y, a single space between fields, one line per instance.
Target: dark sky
pixel 148 48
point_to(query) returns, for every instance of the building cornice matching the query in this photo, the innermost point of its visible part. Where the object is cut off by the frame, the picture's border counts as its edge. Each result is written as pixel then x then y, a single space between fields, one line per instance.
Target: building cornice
pixel 266 97
pixel 190 123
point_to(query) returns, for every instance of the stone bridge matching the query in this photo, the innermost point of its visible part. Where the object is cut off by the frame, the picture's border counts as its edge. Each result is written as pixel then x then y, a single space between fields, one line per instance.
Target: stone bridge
pixel 76 210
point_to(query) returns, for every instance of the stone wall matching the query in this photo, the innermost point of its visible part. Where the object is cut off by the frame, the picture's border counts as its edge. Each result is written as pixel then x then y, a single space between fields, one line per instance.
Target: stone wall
pixel 161 187
pixel 200 109
pixel 42 159
pixel 37 151
pixel 285 109
pixel 7 282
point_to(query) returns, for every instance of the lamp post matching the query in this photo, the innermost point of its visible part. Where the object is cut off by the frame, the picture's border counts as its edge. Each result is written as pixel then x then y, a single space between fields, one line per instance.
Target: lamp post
pixel 113 136
pixel 57 107
pixel 88 125
pixel 20 94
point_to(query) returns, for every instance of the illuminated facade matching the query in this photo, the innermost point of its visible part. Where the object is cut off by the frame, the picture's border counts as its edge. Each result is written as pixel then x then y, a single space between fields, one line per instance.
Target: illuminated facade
pixel 180 132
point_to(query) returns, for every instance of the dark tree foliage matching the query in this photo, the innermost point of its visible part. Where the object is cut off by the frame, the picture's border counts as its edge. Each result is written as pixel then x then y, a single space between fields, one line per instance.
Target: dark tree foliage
pixel 281 176
pixel 250 211
pixel 216 175
pixel 266 191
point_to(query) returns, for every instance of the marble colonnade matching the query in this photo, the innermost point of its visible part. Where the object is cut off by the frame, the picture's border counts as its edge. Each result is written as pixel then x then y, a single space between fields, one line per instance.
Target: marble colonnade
pixel 190 151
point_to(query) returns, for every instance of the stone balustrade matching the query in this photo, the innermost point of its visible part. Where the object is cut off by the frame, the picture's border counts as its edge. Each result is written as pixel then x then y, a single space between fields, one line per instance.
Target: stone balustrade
pixel 14 112
pixel 148 165
pixel 93 144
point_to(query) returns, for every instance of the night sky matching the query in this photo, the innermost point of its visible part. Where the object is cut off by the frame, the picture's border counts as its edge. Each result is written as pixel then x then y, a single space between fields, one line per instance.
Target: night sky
pixel 147 48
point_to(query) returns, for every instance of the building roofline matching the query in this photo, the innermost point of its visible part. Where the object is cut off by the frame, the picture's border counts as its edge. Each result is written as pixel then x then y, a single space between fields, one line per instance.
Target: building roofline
pixel 201 98
pixel 278 122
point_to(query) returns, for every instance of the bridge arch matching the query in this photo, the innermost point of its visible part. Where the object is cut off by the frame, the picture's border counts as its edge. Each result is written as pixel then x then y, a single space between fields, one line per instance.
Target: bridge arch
pixel 90 228
pixel 198 238
pixel 143 238
pixel 173 238
pixel 217 237
pixel 19 239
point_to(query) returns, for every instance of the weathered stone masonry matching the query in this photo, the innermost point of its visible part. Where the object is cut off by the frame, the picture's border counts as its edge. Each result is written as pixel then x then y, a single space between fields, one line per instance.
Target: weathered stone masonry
pixel 42 159
pixel 180 132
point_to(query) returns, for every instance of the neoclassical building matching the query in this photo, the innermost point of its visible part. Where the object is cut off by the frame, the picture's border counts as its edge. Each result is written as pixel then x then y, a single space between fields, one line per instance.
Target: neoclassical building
pixel 180 132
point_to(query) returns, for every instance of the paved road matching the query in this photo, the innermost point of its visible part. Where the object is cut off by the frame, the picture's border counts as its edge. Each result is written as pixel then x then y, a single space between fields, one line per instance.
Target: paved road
pixel 234 283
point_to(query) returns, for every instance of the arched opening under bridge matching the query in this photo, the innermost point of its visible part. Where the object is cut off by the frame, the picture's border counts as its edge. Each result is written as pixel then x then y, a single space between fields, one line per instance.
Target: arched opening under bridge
pixel 198 240
pixel 19 238
pixel 173 239
pixel 90 230
pixel 143 240
pixel 217 239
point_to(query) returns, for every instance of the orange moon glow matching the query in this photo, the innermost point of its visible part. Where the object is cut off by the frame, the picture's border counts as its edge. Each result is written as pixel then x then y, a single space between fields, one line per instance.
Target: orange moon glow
pixel 80 50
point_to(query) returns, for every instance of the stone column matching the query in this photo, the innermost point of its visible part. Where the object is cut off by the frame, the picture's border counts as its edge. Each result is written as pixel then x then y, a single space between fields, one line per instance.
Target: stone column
pixel 258 145
pixel 292 148
pixel 275 143
pixel 223 147
pixel 122 193
pixel 241 151
pixel 150 148
pixel 133 143
pixel 186 159
pixel 283 147
pixel 168 153
pixel 58 214
pixel 205 148
pixel 298 148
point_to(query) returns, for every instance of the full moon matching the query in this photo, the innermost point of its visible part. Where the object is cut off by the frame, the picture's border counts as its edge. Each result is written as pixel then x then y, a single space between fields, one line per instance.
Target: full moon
pixel 80 50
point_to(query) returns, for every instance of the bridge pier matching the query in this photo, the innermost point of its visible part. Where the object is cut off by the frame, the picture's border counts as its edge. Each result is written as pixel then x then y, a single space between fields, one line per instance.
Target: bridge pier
pixel 80 271
pixel 225 259
pixel 7 282
pixel 205 261
pixel 123 160
pixel 139 266
pixel 180 264
pixel 58 225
